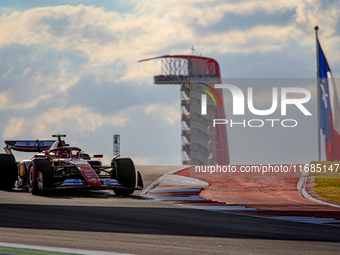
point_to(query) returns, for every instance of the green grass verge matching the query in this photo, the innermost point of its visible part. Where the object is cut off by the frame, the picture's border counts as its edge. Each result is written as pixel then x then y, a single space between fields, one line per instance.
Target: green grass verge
pixel 328 188
pixel 27 251
pixel 327 181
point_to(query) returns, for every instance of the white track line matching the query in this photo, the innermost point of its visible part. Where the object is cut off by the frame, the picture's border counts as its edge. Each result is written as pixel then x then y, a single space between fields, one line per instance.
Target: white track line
pixel 56 249
pixel 161 179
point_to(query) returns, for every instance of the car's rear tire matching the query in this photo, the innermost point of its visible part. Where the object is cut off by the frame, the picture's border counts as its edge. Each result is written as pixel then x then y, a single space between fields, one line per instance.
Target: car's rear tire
pixel 40 176
pixel 126 176
pixel 8 171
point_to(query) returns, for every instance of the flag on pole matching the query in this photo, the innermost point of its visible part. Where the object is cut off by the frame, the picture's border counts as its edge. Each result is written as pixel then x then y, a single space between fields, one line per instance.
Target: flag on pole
pixel 329 107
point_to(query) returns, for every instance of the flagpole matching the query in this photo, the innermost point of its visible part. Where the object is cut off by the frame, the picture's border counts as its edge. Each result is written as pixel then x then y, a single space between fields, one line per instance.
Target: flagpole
pixel 317 88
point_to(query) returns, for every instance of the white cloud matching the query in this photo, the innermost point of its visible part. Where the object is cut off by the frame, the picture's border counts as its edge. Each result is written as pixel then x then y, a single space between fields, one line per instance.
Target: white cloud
pixel 37 87
pixel 115 41
pixel 80 118
pixel 166 112
pixel 76 119
pixel 8 72
pixel 251 7
pixel 14 128
pixel 16 99
pixel 257 39
pixel 27 71
pixel 4 99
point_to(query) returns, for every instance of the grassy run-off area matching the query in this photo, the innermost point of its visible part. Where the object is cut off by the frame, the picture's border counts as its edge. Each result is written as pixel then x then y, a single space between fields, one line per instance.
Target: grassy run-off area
pixel 327 179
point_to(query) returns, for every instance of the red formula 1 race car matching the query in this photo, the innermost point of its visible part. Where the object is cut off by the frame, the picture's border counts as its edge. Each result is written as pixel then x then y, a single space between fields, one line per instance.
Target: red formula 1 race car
pixel 59 166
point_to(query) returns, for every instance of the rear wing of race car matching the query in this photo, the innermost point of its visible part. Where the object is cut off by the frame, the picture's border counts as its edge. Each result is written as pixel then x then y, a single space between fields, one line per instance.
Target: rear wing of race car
pixel 28 145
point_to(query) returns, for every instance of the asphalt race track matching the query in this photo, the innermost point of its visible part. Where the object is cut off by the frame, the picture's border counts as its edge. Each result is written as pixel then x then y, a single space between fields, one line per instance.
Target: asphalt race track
pixel 101 221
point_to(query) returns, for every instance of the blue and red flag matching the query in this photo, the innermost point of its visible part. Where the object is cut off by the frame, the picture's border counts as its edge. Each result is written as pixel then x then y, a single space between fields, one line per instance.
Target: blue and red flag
pixel 329 108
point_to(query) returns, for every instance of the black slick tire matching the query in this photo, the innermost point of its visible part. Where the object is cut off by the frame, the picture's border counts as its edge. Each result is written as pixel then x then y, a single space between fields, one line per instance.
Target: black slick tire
pixel 126 176
pixel 40 171
pixel 8 171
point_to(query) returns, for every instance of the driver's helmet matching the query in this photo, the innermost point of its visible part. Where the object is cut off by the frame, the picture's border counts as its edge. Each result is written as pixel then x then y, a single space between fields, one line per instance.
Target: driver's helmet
pixel 63 153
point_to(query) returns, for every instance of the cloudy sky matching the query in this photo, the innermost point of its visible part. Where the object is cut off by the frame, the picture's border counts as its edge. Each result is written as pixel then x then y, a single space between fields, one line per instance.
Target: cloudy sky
pixel 71 66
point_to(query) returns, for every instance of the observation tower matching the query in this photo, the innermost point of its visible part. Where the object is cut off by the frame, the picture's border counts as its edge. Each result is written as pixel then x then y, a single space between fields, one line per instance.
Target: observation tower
pixel 201 143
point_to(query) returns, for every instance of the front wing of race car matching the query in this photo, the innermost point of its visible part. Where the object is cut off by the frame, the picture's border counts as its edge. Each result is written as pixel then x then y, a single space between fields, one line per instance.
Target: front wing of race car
pixel 80 183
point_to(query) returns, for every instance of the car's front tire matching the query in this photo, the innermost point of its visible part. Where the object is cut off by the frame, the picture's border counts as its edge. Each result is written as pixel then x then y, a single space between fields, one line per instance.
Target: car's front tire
pixel 126 175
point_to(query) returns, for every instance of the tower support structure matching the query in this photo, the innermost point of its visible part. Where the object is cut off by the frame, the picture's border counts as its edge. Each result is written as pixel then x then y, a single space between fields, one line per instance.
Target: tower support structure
pixel 201 144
